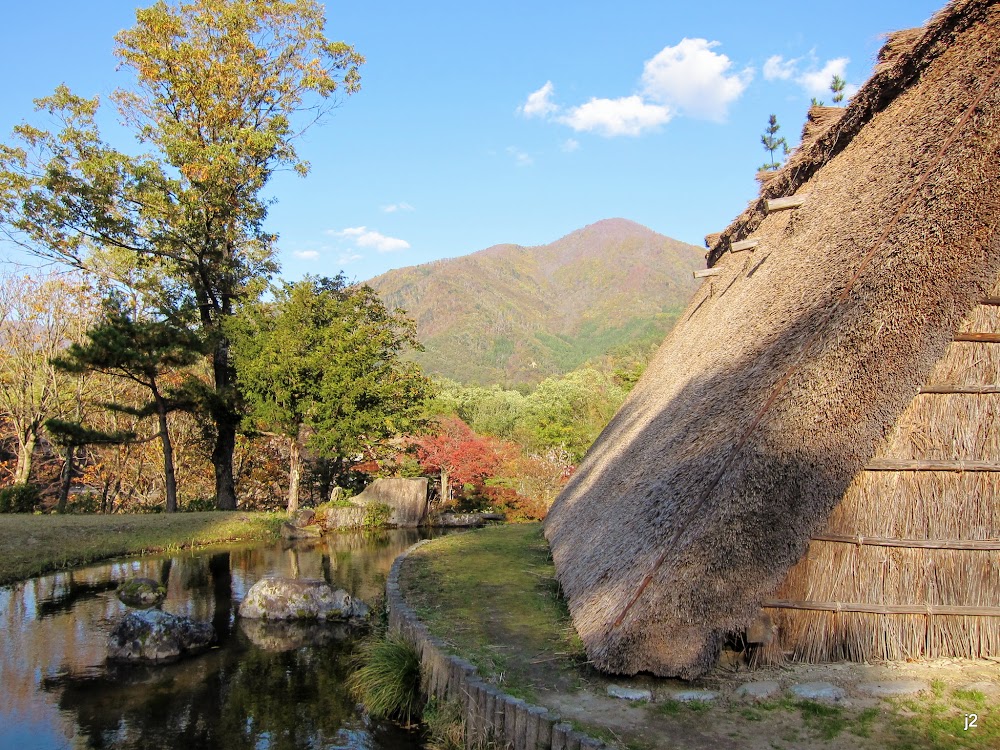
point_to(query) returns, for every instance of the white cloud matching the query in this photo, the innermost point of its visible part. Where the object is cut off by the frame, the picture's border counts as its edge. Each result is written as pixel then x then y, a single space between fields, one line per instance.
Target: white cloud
pixel 629 115
pixel 394 207
pixel 348 257
pixel 365 237
pixel 570 145
pixel 520 158
pixel 539 103
pixel 817 82
pixel 306 254
pixel 777 68
pixel 693 79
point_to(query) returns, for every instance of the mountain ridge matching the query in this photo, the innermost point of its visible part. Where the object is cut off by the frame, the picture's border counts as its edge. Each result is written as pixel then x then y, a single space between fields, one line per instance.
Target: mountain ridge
pixel 514 314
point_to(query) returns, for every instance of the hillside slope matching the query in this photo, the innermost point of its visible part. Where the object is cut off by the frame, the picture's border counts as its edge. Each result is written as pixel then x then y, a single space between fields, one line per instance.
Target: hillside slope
pixel 512 314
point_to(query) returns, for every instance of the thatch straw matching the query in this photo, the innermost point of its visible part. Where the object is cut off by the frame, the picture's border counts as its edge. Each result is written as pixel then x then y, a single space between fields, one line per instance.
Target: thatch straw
pixel 798 366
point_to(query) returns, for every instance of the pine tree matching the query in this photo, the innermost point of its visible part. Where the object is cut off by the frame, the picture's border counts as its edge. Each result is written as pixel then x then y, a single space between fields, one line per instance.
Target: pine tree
pixel 772 143
pixel 837 85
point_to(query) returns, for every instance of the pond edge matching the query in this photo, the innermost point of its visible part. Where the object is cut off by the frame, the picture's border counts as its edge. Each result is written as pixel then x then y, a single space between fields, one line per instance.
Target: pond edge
pixel 487 711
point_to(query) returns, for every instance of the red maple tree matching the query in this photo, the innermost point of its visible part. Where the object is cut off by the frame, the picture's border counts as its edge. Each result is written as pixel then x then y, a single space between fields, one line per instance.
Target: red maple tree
pixel 459 454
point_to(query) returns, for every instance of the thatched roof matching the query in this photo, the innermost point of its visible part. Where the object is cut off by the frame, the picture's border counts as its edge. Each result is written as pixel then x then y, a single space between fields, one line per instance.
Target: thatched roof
pixel 790 368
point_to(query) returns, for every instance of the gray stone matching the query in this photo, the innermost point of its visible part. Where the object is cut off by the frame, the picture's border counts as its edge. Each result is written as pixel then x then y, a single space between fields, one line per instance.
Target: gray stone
pixel 695 696
pixel 758 691
pixel 891 688
pixel 303 517
pixel 406 497
pixel 154 636
pixel 291 532
pixel 141 593
pixel 299 599
pixel 629 694
pixel 288 635
pixel 818 691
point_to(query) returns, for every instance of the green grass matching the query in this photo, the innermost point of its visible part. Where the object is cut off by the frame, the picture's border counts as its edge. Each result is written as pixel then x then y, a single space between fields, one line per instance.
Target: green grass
pixel 492 595
pixel 38 544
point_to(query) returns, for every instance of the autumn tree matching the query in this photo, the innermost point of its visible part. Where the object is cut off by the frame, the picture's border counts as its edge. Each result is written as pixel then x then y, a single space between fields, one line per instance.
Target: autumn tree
pixel 221 90
pixel 458 454
pixel 39 317
pixel 773 143
pixel 322 366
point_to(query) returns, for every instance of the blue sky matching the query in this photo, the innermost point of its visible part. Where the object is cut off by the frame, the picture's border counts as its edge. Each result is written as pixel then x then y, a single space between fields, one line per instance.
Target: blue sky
pixel 479 124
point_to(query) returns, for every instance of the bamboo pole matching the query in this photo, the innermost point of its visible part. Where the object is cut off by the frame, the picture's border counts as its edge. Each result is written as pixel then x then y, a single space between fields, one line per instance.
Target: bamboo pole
pixel 893 464
pixel 981 338
pixel 960 388
pixel 702 273
pixel 885 609
pixel 881 541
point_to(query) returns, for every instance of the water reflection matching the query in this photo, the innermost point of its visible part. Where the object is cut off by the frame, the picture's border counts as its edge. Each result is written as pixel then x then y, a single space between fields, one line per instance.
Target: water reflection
pixel 261 687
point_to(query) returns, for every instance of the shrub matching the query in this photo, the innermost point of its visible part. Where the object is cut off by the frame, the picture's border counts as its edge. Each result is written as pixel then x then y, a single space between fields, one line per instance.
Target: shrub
pixel 388 680
pixel 377 515
pixel 19 498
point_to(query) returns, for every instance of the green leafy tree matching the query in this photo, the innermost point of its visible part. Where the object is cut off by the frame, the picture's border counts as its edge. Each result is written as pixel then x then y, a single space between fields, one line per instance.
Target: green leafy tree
pixel 149 353
pixel 772 143
pixel 221 90
pixel 322 366
pixel 837 86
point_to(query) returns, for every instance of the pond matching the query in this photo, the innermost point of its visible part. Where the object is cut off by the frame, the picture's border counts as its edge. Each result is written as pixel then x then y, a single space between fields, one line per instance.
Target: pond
pixel 247 692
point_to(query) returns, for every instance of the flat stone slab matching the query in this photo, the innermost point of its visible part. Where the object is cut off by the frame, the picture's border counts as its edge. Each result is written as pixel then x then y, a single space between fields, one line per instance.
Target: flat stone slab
pixel 818 691
pixel 758 691
pixel 629 694
pixel 694 696
pixel 890 688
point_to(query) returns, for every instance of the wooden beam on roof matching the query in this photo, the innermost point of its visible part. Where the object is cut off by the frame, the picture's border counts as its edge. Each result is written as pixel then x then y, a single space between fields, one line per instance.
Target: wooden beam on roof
pixel 882 541
pixel 895 464
pixel 990 301
pixel 707 272
pixel 960 388
pixel 885 609
pixel 739 247
pixel 782 204
pixel 981 338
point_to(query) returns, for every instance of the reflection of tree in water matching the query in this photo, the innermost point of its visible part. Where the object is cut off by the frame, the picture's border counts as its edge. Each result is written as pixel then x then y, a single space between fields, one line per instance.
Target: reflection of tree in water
pixel 239 697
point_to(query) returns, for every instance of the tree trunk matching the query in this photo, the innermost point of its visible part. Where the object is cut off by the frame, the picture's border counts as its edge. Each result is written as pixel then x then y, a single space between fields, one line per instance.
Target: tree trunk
pixel 24 454
pixel 66 479
pixel 168 457
pixel 294 472
pixel 226 422
pixel 445 488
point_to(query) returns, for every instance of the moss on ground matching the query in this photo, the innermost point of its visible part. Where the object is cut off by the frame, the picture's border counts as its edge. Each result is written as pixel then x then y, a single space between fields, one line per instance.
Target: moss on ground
pixel 492 595
pixel 38 544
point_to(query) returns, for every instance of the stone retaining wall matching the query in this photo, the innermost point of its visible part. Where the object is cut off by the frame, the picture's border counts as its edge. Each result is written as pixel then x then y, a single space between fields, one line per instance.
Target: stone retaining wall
pixel 486 710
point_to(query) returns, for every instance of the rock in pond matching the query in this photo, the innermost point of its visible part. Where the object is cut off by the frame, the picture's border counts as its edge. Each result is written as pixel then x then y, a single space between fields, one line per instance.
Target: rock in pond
pixel 155 636
pixel 141 593
pixel 292 532
pixel 299 599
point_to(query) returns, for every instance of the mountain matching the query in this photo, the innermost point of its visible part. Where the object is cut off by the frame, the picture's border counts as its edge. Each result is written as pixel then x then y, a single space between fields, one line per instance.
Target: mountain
pixel 511 314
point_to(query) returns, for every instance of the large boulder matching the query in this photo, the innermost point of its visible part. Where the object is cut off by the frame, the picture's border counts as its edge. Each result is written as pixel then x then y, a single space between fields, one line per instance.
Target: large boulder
pixel 141 593
pixel 406 497
pixel 292 533
pixel 152 635
pixel 300 599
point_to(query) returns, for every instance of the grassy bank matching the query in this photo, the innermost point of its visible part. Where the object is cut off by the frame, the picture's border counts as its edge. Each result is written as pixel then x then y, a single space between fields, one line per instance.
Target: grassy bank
pixel 32 545
pixel 491 595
